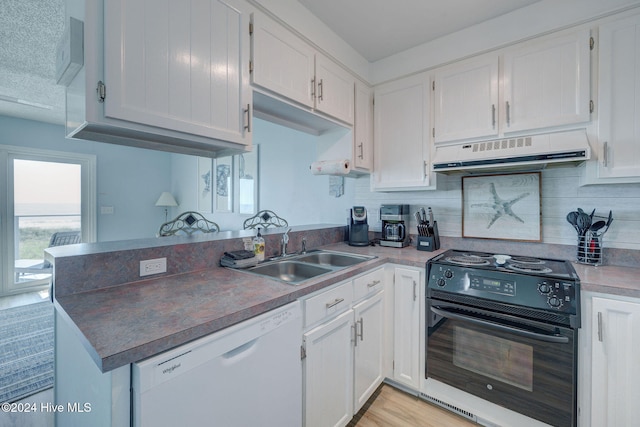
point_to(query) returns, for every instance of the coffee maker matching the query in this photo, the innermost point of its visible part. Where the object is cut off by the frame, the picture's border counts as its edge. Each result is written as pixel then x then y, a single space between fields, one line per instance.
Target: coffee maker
pixel 358 227
pixel 395 225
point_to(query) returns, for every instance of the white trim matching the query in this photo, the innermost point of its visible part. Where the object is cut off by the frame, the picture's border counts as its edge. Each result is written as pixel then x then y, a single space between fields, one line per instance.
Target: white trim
pixel 88 196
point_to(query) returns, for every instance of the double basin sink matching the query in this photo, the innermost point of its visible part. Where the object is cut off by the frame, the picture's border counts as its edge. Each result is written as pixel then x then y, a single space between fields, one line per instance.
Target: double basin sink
pixel 295 269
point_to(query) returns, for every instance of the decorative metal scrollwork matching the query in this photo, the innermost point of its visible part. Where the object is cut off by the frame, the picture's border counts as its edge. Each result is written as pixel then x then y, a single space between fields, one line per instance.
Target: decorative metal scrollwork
pixel 265 219
pixel 188 223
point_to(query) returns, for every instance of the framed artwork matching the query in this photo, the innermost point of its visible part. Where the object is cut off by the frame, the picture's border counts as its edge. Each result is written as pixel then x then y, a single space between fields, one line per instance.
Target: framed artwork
pixel 247 166
pixel 502 207
pixel 205 181
pixel 223 190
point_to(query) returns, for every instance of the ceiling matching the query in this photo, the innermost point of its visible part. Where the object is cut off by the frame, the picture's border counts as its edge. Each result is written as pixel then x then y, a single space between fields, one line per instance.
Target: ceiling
pixel 30 30
pixel 380 28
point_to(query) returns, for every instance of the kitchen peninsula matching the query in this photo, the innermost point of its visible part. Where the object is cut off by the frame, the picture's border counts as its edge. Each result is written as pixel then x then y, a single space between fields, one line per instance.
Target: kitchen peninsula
pixel 114 319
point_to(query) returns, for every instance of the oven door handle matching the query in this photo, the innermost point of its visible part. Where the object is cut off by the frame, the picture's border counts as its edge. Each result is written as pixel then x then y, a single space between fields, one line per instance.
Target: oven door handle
pixel 521 332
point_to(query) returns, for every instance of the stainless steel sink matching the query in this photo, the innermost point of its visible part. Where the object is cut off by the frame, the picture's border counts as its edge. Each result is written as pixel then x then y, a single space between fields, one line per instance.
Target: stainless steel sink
pixel 289 271
pixel 332 259
pixel 295 269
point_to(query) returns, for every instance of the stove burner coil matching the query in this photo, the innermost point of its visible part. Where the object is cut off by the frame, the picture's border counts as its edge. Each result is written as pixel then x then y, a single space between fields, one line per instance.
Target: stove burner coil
pixel 468 260
pixel 526 260
pixel 476 254
pixel 529 268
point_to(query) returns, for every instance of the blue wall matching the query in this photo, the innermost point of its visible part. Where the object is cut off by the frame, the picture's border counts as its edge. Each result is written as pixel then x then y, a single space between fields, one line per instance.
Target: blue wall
pixel 128 179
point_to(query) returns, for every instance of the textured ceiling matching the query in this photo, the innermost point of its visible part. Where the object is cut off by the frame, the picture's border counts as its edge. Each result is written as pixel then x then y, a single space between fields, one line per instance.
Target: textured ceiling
pixel 29 33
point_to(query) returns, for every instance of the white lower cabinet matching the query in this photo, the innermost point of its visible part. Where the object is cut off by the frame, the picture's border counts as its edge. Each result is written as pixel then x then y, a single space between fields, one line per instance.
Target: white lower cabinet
pixel 343 350
pixel 610 393
pixel 407 330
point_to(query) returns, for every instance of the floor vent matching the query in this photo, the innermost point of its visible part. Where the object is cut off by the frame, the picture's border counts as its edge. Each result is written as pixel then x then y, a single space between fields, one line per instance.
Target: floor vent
pixel 449 407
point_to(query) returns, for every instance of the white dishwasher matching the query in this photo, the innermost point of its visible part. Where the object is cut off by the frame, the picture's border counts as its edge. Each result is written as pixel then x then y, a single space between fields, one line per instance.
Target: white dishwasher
pixel 249 374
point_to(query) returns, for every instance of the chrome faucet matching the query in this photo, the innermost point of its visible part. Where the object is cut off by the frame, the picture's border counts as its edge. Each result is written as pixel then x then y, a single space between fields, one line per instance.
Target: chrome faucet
pixel 304 245
pixel 285 241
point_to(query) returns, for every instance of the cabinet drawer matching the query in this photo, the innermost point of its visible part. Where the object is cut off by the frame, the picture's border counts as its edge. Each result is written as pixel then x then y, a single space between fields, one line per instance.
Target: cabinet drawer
pixel 368 284
pixel 328 303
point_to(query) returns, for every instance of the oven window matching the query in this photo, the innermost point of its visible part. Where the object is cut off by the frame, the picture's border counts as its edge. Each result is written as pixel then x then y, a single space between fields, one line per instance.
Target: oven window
pixel 498 358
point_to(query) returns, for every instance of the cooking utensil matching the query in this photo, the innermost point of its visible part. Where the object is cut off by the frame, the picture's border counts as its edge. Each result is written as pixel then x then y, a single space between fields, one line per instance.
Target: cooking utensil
pixel 583 222
pixel 424 216
pixel 431 222
pixel 572 218
pixel 596 226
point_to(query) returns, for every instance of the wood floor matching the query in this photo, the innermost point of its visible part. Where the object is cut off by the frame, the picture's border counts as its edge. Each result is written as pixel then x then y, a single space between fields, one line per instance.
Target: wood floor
pixel 390 407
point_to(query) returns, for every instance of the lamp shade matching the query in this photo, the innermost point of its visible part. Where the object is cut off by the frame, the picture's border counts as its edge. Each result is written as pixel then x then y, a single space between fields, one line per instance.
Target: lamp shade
pixel 166 199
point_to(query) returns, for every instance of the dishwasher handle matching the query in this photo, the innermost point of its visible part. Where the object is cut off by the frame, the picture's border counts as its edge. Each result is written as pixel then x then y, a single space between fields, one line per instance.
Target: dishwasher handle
pixel 518 331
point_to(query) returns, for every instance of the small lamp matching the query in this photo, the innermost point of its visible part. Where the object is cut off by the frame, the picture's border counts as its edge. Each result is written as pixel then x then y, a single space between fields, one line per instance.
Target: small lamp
pixel 166 199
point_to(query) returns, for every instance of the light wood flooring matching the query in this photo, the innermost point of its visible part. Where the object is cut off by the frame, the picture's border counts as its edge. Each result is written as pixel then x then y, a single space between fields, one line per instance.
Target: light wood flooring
pixel 390 407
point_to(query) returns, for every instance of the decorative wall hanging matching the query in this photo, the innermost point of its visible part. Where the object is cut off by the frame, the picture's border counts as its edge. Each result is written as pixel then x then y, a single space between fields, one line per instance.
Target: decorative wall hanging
pixel 205 180
pixel 224 184
pixel 502 207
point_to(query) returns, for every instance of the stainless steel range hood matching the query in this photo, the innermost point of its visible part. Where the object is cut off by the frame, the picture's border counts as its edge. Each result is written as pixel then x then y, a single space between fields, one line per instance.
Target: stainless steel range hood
pixel 523 152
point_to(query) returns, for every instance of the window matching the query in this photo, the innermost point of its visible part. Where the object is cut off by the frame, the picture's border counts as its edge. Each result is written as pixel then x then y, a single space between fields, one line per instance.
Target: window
pixel 50 201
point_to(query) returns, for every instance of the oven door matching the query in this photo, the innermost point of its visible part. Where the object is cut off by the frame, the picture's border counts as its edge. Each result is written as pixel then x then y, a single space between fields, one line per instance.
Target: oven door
pixel 526 366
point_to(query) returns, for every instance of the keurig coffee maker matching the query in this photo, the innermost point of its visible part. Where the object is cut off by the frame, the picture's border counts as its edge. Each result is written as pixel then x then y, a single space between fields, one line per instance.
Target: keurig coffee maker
pixel 358 227
pixel 395 223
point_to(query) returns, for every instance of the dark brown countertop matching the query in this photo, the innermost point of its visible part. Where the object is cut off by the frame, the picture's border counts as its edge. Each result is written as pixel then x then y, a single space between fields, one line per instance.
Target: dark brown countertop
pixel 127 323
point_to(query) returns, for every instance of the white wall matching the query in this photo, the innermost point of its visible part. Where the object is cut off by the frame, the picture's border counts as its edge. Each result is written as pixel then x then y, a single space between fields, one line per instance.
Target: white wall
pixel 286 186
pixel 560 195
pixel 129 179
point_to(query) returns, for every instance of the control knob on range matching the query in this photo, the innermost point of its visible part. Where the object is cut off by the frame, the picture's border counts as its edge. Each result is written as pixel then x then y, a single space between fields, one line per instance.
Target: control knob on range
pixel 555 302
pixel 441 282
pixel 544 288
pixel 448 274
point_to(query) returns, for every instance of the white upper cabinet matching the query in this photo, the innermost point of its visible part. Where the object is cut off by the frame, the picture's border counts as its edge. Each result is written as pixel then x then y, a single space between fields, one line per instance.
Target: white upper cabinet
pixel 619 102
pixel 363 128
pixel 466 99
pixel 542 84
pixel 547 83
pixel 401 135
pixel 282 62
pixel 173 76
pixel 287 66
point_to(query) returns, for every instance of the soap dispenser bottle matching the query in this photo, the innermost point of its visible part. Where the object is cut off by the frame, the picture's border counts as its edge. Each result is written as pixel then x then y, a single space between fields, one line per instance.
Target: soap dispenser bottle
pixel 258 246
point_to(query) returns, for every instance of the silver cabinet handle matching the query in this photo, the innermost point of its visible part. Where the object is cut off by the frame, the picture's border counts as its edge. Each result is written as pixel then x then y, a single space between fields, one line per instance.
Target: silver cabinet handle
pixel 361 155
pixel 605 154
pixel 374 283
pixel 313 88
pixel 508 112
pixel 600 326
pixel 354 328
pixel 320 90
pixel 493 116
pixel 335 302
pixel 415 286
pixel 248 112
pixel 361 322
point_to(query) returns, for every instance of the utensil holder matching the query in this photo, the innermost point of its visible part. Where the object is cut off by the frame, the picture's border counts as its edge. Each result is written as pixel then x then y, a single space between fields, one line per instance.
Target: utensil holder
pixel 429 243
pixel 590 249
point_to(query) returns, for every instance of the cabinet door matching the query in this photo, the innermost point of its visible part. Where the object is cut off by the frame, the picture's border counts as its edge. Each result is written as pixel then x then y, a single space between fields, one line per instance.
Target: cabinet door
pixel 334 89
pixel 180 66
pixel 363 128
pixel 546 83
pixel 328 373
pixel 466 100
pixel 615 374
pixel 401 134
pixel 282 62
pixel 369 324
pixel 619 99
pixel 406 346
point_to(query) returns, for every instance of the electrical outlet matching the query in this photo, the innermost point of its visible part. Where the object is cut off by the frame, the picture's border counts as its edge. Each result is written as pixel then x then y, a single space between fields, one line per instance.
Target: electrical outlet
pixel 153 266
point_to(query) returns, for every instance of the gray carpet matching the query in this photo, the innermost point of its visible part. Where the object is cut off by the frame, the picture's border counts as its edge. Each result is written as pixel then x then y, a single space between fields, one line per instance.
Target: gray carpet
pixel 26 350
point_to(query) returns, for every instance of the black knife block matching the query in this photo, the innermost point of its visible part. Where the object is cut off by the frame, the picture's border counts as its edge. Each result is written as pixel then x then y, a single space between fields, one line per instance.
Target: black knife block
pixel 429 243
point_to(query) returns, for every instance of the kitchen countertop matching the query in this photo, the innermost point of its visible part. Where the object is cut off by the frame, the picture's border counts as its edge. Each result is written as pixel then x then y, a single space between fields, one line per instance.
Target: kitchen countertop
pixel 123 324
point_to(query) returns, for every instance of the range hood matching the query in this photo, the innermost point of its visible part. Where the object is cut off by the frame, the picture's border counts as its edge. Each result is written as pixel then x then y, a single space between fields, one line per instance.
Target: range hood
pixel 522 152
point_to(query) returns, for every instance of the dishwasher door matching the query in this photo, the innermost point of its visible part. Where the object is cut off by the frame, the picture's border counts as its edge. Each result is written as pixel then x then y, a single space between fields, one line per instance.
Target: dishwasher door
pixel 247 374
